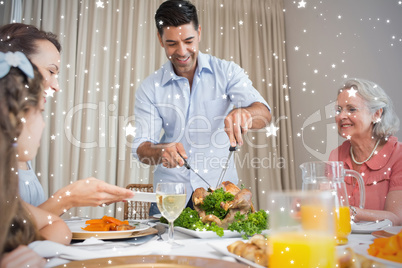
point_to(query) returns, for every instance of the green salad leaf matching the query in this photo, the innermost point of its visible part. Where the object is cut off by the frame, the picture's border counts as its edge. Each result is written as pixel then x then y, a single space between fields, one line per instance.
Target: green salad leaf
pixel 189 219
pixel 254 224
pixel 212 203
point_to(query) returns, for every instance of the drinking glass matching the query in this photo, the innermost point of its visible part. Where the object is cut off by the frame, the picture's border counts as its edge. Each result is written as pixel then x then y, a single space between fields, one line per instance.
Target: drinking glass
pixel 171 199
pixel 301 229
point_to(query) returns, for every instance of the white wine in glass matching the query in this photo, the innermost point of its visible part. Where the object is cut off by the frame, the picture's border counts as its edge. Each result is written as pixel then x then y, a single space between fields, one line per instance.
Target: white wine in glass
pixel 171 200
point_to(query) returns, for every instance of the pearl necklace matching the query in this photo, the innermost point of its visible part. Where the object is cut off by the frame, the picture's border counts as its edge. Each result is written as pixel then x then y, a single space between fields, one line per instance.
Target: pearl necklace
pixel 372 152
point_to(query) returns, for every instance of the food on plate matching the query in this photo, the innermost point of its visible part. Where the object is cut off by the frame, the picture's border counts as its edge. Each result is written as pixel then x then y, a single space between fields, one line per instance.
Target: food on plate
pixel 107 223
pixel 226 208
pixel 222 212
pixel 349 259
pixel 388 248
pixel 124 227
pixel 255 249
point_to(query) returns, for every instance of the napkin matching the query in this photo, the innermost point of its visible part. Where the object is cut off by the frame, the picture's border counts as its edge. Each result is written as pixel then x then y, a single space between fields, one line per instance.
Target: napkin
pixel 58 254
pixel 49 249
pixel 370 226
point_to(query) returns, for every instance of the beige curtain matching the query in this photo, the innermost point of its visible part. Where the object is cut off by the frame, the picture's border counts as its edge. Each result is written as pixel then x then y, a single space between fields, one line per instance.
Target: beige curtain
pixel 109 50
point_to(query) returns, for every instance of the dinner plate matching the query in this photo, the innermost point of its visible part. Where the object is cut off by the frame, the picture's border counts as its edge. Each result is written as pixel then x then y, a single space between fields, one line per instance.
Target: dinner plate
pixel 393 230
pixel 208 234
pixel 368 227
pixel 221 246
pixel 79 234
pixel 205 234
pixel 362 250
pixel 156 261
pixel 387 232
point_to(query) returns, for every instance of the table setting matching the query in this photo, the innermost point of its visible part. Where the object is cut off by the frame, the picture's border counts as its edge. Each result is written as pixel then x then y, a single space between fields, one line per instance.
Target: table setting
pixel 302 227
pixel 95 245
pixel 94 251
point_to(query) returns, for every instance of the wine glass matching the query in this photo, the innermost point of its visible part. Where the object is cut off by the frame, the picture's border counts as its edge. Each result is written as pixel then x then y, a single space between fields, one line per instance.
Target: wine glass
pixel 171 200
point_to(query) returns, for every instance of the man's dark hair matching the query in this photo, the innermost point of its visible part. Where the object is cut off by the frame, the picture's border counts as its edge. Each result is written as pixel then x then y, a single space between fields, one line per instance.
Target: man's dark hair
pixel 22 37
pixel 175 13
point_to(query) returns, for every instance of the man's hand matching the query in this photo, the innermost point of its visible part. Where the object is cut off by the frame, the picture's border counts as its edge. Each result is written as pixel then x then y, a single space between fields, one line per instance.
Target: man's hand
pixel 170 155
pixel 167 154
pixel 238 122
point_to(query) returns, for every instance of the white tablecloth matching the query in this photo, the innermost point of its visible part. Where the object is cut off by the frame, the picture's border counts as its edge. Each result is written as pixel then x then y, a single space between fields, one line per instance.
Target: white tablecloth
pixel 191 247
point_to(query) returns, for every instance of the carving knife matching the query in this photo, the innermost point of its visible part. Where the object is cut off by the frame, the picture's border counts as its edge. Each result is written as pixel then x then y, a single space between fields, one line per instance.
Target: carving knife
pixel 231 150
pixel 189 167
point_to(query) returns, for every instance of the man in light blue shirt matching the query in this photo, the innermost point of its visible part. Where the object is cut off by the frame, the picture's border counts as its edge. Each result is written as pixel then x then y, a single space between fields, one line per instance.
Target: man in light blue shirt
pixel 191 98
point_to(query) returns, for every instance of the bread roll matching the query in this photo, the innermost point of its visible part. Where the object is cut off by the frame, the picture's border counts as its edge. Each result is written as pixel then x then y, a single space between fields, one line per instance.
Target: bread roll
pixel 249 251
pixel 231 247
pixel 260 241
pixel 254 250
pixel 261 257
pixel 239 249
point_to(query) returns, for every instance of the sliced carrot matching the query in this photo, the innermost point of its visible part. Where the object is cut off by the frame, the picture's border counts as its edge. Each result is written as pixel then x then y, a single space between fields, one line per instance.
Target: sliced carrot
pixel 389 248
pixel 96 227
pixel 112 220
pixel 380 242
pixel 373 250
pixel 399 238
pixel 111 226
pixel 107 223
pixel 94 221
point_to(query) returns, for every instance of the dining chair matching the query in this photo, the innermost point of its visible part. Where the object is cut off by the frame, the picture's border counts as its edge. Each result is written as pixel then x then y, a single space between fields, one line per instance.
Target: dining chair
pixel 137 210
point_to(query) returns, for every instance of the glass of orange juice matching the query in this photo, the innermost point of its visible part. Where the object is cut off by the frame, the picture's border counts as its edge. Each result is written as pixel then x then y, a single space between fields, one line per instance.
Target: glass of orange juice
pixel 302 229
pixel 342 224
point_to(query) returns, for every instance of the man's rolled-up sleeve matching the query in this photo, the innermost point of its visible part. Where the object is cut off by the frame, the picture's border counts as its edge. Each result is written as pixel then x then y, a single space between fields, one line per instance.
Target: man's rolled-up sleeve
pixel 148 122
pixel 240 89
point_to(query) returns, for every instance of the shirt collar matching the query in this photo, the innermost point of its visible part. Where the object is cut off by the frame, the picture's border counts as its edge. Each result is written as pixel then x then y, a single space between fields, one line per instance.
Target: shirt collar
pixel 379 160
pixel 203 64
pixel 169 74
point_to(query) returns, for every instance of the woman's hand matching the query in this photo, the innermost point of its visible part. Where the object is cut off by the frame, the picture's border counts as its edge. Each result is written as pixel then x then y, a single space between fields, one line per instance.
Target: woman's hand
pixel 93 192
pixel 83 193
pixel 392 210
pixel 22 257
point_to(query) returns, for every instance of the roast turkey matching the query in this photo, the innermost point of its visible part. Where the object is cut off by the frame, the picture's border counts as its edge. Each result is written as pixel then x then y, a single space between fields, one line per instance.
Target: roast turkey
pixel 241 203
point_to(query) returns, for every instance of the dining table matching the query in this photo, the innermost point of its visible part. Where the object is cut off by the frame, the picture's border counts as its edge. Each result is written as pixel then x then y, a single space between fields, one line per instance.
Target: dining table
pixel 154 251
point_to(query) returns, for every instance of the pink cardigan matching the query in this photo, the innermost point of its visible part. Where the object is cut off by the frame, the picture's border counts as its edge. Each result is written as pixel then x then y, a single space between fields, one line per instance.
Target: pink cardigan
pixel 381 174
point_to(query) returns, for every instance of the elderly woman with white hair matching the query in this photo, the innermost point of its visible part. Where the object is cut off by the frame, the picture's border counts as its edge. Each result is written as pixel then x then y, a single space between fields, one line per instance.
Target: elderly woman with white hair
pixel 366 119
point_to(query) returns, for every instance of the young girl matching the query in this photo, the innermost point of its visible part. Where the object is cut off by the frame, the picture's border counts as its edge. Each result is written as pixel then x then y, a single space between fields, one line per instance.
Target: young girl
pixel 21 103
